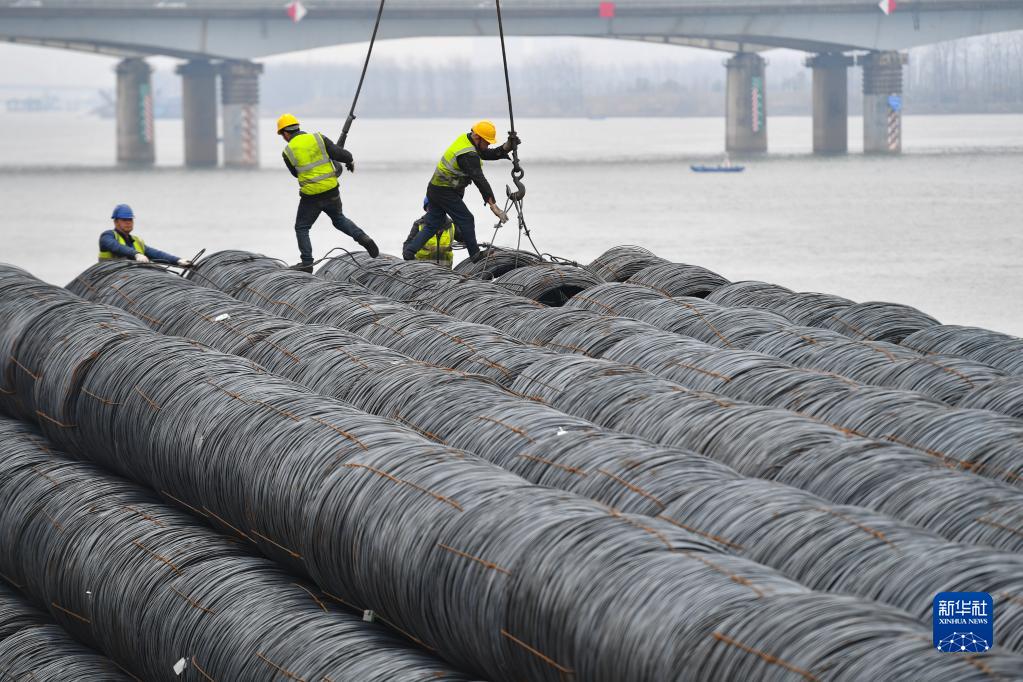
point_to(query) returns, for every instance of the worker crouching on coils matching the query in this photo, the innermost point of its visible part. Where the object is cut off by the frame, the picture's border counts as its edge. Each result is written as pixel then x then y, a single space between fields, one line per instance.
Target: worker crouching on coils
pixel 119 243
pixel 460 165
pixel 439 248
pixel 310 158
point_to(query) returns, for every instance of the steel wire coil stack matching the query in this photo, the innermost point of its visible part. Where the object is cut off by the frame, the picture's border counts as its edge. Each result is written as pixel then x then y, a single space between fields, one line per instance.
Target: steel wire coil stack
pixel 619 263
pixel 978 441
pixel 399 390
pixel 144 583
pixel 33 647
pixel 678 279
pixel 945 379
pixel 490 571
pixel 751 450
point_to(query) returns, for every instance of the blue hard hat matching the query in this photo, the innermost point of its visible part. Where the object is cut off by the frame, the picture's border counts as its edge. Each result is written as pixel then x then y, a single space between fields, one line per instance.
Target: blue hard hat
pixel 426 203
pixel 124 212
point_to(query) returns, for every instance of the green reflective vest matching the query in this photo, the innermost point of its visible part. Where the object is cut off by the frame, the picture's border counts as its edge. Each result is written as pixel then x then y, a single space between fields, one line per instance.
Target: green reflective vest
pixel 308 154
pixel 438 248
pixel 448 174
pixel 140 246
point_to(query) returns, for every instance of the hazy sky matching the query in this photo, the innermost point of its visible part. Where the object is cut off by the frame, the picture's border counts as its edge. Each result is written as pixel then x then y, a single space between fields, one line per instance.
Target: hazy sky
pixel 24 65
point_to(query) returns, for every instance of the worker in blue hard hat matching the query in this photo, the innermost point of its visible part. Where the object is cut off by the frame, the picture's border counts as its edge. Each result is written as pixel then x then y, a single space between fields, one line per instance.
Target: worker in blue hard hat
pixel 120 243
pixel 438 249
pixel 311 157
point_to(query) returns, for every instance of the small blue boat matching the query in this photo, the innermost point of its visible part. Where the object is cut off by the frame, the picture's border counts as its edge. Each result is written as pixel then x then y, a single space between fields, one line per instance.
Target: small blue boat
pixel 718 169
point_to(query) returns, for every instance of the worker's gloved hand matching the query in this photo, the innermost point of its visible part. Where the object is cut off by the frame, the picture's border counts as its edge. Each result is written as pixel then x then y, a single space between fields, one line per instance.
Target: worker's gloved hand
pixel 512 142
pixel 350 166
pixel 141 258
pixel 184 263
pixel 501 215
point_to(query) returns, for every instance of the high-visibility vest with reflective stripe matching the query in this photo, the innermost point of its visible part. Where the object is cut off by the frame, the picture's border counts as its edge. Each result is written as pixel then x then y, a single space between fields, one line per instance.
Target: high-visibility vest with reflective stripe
pixel 140 247
pixel 308 154
pixel 448 174
pixel 438 247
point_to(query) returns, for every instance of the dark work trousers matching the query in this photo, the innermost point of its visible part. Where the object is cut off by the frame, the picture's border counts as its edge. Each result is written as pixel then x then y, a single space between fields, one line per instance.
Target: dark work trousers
pixel 309 209
pixel 444 202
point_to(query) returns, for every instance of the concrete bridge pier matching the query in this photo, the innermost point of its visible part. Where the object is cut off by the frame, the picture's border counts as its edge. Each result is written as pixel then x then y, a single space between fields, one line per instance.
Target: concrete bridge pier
pixel 746 104
pixel 199 111
pixel 882 102
pixel 239 91
pixel 830 102
pixel 135 137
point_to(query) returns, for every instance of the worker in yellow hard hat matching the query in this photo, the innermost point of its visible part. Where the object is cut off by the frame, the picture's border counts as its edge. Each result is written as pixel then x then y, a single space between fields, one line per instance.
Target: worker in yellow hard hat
pixel 310 157
pixel 460 165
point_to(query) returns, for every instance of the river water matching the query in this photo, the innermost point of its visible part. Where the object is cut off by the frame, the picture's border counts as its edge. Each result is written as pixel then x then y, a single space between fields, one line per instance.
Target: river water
pixel 938 228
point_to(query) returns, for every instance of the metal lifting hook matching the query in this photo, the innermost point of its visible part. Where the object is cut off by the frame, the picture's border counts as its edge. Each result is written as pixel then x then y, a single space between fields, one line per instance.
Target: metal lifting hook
pixel 517 174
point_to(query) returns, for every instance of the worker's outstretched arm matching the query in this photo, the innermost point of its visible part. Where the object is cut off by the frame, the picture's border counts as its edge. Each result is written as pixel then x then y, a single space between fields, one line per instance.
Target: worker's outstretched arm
pixel 494 153
pixel 336 152
pixel 470 165
pixel 108 242
pixel 158 256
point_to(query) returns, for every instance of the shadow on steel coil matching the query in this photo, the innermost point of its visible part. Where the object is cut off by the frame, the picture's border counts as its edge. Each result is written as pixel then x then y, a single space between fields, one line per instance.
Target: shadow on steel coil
pixel 33 647
pixel 149 586
pixel 497 575
pixel 549 284
pixel 633 476
pixel 496 262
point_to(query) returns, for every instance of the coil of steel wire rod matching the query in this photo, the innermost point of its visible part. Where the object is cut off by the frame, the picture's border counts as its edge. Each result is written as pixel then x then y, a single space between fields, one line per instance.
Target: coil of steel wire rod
pixel 679 279
pixel 496 262
pixel 619 263
pixel 629 486
pixel 749 294
pixel 32 647
pixel 991 348
pixel 808 308
pixel 878 321
pixel 140 581
pixel 1004 396
pixel 549 284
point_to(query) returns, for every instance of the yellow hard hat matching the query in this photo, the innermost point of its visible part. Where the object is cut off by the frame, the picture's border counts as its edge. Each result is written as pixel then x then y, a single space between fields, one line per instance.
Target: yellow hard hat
pixel 486 130
pixel 286 120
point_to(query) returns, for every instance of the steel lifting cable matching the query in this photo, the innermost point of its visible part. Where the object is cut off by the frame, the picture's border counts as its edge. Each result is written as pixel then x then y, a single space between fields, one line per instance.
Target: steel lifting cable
pixel 515 199
pixel 362 77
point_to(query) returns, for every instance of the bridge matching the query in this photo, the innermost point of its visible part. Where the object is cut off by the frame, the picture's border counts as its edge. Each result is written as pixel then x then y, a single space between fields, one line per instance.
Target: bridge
pixel 222 38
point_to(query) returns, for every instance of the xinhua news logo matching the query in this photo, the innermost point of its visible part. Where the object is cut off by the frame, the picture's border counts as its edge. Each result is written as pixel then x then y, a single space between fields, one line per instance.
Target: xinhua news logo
pixel 964 622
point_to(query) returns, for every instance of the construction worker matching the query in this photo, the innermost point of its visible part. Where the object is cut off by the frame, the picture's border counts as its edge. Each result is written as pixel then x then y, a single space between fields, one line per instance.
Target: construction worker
pixel 438 249
pixel 119 242
pixel 310 158
pixel 460 165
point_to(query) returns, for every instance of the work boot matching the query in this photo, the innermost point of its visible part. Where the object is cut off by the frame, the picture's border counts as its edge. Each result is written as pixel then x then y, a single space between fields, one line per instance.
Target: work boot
pixel 303 267
pixel 366 242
